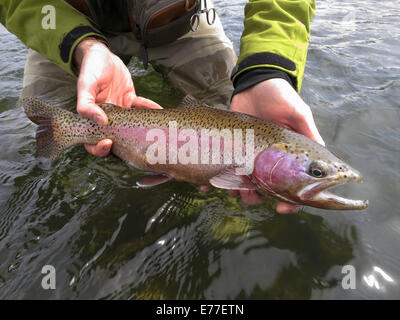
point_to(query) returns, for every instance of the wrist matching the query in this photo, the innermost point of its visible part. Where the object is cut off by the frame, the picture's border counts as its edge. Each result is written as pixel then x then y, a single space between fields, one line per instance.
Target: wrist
pixel 83 48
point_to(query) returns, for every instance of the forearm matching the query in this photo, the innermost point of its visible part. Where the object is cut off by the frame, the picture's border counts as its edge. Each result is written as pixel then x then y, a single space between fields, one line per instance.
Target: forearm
pixel 275 35
pixel 24 19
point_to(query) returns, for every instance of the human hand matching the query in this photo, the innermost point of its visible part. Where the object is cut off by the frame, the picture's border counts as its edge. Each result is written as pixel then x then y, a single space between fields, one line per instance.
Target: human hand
pixel 103 77
pixel 275 100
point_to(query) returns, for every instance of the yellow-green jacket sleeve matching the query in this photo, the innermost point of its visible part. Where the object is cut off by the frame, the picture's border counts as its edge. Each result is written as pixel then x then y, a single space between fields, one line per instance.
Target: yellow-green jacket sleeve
pixel 275 35
pixel 24 19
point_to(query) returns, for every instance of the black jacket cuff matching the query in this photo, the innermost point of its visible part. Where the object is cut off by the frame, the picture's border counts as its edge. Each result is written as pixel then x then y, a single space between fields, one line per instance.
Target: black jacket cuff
pixel 251 77
pixel 71 37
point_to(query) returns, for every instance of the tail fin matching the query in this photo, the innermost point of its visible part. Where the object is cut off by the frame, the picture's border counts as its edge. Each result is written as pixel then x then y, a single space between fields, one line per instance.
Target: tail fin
pixel 51 138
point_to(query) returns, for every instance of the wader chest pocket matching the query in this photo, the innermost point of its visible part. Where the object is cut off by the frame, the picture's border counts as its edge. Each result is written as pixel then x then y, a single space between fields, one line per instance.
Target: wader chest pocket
pixel 159 22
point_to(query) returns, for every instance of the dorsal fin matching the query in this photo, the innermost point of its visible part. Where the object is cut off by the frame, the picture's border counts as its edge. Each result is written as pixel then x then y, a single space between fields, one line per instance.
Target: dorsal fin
pixel 189 101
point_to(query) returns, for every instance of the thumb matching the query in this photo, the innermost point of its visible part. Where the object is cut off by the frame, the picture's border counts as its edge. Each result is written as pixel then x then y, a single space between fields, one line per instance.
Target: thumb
pixel 87 107
pixel 306 126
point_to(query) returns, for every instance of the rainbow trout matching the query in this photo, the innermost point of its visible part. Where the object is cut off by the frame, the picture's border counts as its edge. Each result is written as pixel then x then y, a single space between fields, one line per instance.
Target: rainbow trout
pixel 206 146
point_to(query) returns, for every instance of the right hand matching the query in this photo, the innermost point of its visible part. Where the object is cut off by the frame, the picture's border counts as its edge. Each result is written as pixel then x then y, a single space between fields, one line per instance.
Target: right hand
pixel 103 77
pixel 276 100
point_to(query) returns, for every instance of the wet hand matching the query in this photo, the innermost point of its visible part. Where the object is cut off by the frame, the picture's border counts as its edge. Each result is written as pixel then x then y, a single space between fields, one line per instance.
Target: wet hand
pixel 276 100
pixel 103 77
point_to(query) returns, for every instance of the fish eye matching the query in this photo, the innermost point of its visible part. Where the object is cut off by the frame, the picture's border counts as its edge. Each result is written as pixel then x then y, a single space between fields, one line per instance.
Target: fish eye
pixel 317 170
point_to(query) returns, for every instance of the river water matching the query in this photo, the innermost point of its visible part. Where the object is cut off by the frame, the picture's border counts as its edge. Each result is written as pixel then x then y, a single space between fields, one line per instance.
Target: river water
pixel 107 238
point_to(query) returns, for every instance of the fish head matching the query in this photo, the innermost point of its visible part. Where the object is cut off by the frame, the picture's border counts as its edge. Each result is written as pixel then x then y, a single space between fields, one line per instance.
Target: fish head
pixel 301 175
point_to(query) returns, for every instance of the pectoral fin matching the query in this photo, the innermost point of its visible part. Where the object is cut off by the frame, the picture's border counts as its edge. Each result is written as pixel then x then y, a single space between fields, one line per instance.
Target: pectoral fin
pixel 153 180
pixel 228 179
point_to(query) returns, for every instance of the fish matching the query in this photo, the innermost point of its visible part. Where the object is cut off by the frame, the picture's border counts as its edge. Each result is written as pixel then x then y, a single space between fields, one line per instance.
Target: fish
pixel 251 153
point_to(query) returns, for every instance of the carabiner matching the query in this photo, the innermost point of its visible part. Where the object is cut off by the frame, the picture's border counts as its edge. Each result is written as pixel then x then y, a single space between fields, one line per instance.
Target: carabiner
pixel 208 16
pixel 195 22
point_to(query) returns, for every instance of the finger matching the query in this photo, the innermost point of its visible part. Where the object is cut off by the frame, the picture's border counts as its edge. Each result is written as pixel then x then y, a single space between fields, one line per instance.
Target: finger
pixel 286 208
pixel 306 126
pixel 101 149
pixel 251 197
pixel 87 107
pixel 140 102
pixel 205 188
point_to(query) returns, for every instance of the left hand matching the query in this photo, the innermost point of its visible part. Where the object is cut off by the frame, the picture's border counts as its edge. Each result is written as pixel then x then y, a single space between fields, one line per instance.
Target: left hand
pixel 103 77
pixel 275 100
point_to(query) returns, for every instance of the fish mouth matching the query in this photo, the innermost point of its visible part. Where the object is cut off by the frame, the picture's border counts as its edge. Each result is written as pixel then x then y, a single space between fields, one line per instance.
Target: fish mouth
pixel 328 200
pixel 316 195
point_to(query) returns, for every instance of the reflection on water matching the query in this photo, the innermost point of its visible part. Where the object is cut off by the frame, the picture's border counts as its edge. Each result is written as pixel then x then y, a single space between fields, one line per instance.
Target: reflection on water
pixel 109 238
